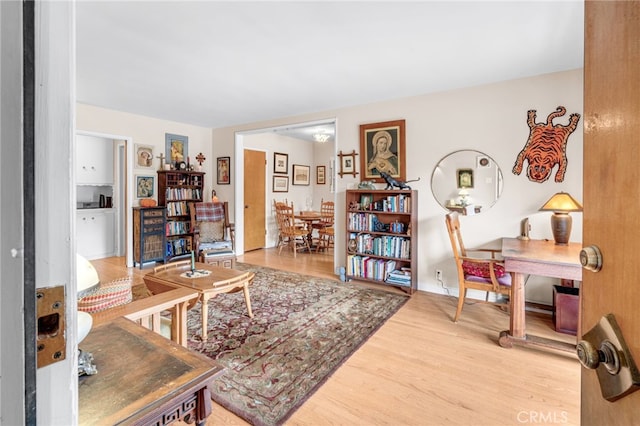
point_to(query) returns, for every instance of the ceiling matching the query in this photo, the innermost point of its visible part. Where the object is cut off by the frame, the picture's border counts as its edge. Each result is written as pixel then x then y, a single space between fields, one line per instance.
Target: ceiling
pixel 218 64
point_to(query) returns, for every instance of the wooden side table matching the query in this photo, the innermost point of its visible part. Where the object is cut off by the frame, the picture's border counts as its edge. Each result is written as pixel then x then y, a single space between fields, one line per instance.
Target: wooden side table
pixel 143 378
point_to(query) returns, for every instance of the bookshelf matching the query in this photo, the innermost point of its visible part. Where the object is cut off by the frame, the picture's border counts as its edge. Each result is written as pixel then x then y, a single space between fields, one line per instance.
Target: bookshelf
pixel 381 244
pixel 149 243
pixel 176 189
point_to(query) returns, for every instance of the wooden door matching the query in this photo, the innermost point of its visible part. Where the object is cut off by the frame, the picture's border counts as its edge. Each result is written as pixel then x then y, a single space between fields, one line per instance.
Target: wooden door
pixel 255 163
pixel 611 202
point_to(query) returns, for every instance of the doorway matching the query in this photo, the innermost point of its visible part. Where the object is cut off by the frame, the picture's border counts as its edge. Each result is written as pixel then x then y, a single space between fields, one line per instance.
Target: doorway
pixel 270 141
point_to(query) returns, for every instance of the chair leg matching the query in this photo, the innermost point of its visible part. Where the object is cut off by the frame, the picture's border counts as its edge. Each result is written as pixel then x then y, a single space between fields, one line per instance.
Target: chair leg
pixel 461 297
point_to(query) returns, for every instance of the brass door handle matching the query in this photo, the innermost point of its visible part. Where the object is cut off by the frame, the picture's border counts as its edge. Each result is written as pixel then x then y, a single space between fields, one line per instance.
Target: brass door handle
pixel 612 360
pixel 591 258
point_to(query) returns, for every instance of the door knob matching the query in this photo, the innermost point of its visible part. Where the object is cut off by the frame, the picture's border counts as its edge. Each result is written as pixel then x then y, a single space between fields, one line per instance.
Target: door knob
pixel 591 258
pixel 612 361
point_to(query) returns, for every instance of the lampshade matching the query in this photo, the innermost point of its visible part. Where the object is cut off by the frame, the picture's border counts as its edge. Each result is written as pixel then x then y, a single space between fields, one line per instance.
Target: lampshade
pixel 561 204
pixel 86 276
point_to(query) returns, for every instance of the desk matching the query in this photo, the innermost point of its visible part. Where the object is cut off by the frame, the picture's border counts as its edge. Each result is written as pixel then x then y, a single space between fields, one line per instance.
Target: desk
pixel 143 378
pixel 535 257
pixel 220 280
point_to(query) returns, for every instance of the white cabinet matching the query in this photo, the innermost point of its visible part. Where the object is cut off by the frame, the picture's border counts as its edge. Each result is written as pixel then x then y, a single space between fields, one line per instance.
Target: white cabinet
pixel 94 160
pixel 95 233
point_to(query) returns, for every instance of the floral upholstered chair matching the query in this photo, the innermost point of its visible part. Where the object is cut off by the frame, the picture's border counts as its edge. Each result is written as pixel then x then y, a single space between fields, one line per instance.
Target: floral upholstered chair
pixel 213 234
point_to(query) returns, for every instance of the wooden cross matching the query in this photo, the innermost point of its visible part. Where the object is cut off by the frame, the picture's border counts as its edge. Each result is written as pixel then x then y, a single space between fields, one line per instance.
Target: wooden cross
pixel 161 157
pixel 200 158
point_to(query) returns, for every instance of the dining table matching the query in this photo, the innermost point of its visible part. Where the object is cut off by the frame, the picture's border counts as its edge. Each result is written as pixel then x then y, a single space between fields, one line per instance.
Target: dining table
pixel 309 217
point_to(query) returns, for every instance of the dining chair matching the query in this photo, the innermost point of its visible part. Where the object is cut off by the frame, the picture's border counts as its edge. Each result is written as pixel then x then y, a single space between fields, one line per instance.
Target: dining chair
pixel 290 233
pixel 324 226
pixel 485 273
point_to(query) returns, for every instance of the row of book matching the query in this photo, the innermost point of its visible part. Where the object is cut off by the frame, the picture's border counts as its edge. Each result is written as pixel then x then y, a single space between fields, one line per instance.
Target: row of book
pixel 178 227
pixel 400 203
pixel 369 222
pixel 183 194
pixel 178 247
pixel 177 209
pixel 385 245
pixel 378 269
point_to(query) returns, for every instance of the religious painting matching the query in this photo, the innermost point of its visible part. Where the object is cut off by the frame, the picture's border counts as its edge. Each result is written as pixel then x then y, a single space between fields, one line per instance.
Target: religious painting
pixel 144 156
pixel 176 148
pixel 224 170
pixel 382 148
pixel 144 186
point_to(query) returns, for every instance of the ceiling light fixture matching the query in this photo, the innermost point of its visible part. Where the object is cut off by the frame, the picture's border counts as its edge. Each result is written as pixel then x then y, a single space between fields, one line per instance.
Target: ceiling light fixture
pixel 321 137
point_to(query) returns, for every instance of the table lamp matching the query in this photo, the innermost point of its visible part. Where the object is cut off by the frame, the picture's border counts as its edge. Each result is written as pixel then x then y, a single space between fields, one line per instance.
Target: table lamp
pixel 561 204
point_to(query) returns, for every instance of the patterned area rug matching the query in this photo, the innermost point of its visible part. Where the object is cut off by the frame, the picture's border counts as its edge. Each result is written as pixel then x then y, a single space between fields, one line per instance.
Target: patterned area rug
pixel 303 329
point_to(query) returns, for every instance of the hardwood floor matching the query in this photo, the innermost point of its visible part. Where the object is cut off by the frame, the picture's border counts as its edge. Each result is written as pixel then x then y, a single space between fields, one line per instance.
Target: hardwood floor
pixel 420 368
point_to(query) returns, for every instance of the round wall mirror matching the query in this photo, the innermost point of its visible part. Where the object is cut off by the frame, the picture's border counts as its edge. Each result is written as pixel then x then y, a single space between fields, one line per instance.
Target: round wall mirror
pixel 467 181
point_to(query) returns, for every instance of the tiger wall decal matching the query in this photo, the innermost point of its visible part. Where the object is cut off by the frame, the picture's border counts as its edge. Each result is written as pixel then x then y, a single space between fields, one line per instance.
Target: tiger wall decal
pixel 546 146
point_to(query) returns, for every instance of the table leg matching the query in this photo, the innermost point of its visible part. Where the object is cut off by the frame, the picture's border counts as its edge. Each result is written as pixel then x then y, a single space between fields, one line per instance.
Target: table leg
pixel 204 309
pixel 517 328
pixel 516 307
pixel 247 299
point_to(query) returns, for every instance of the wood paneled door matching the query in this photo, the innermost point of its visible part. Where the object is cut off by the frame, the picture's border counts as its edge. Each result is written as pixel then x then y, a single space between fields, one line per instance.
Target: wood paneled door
pixel 611 156
pixel 255 163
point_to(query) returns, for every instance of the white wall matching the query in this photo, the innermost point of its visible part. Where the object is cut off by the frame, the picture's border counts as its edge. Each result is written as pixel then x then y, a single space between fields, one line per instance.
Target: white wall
pixel 149 131
pixel 491 119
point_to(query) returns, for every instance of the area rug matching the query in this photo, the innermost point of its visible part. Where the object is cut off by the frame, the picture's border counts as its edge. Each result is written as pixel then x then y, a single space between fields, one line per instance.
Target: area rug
pixel 303 329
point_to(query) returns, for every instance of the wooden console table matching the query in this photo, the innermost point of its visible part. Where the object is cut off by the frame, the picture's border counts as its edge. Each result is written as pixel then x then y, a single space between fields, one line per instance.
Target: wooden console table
pixel 143 378
pixel 535 257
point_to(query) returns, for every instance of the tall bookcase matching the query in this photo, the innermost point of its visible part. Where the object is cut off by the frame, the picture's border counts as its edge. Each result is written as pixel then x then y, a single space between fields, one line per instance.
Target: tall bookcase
pixel 149 243
pixel 382 230
pixel 176 189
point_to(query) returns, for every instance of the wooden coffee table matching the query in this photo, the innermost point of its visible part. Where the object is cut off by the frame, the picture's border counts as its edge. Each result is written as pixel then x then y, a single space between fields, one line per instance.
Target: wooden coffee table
pixel 217 280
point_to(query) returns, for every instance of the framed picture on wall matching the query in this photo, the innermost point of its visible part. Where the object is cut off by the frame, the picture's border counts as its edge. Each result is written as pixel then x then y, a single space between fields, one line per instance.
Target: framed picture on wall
pixel 301 174
pixel 465 178
pixel 176 148
pixel 144 186
pixel 382 148
pixel 280 162
pixel 281 184
pixel 224 170
pixel 320 175
pixel 144 156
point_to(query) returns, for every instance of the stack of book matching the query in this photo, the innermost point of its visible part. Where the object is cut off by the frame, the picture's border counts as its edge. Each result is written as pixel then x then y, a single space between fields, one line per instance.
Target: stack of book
pixel 400 277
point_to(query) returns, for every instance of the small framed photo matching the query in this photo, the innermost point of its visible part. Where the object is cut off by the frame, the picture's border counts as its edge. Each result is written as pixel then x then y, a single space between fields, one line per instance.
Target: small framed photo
pixel 465 178
pixel 347 164
pixel 176 147
pixel 144 186
pixel 320 175
pixel 301 174
pixel 280 162
pixel 382 148
pixel 144 156
pixel 281 184
pixel 224 171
